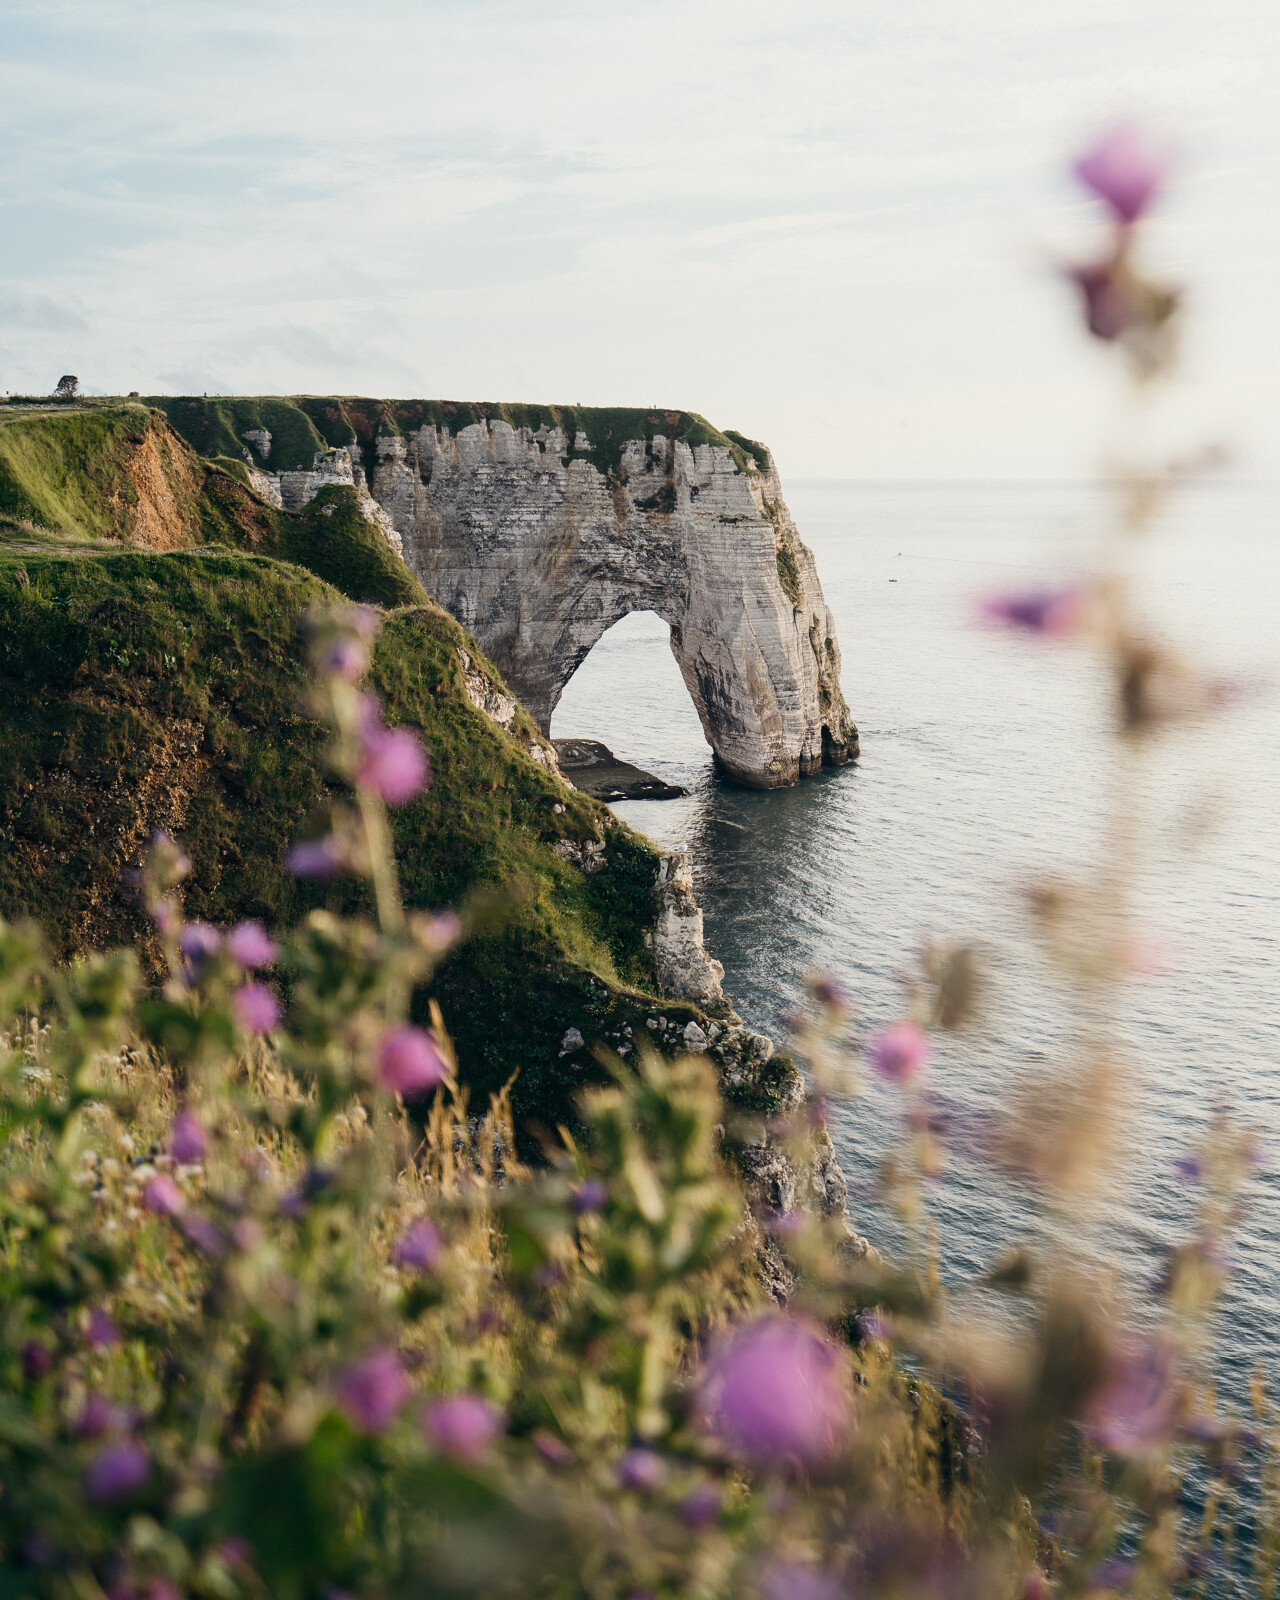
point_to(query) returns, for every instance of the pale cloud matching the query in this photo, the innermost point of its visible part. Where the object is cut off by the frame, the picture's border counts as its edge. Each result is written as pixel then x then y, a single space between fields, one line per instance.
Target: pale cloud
pixel 826 224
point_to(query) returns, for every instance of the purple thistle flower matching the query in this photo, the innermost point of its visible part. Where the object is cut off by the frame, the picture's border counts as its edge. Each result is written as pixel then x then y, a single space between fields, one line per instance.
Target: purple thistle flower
pixel 590 1195
pixel 198 941
pixel 317 858
pixel 420 1247
pixel 1190 1169
pixel 251 946
pixel 187 1143
pixel 1135 1411
pixel 101 1332
pixel 1125 169
pixel 640 1468
pixel 204 1233
pixel 257 1010
pixel 117 1472
pixel 373 1391
pixel 555 1452
pixel 461 1425
pixel 701 1507
pixel 162 1196
pixel 36 1361
pixel 899 1053
pixel 775 1393
pixel 410 1063
pixel 392 764
pixel 1055 612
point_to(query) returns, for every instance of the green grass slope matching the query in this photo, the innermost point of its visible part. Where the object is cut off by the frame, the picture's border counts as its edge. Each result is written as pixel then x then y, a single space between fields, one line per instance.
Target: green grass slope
pixel 143 688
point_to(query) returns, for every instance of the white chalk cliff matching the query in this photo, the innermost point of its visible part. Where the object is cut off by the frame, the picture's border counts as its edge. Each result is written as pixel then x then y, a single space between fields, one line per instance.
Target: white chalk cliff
pixel 537 551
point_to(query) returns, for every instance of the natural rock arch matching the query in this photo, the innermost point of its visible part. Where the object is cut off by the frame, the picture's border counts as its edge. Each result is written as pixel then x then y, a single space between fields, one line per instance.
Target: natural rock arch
pixel 538 549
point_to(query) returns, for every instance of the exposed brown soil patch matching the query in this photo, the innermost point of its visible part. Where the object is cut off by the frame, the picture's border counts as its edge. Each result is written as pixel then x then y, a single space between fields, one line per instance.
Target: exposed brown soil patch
pixel 155 505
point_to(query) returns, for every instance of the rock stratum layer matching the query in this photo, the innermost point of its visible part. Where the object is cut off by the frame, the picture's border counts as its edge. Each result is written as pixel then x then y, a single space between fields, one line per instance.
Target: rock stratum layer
pixel 539 527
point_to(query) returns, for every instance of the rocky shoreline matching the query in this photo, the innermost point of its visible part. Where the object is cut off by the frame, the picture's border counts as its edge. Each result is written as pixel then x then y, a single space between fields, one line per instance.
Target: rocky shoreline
pixel 592 767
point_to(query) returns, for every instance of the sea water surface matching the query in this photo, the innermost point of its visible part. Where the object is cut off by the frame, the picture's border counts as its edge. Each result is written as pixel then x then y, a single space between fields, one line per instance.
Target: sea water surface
pixel 987 761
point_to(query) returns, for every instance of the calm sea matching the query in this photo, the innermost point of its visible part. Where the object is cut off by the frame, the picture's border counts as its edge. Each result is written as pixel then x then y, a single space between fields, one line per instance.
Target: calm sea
pixel 985 761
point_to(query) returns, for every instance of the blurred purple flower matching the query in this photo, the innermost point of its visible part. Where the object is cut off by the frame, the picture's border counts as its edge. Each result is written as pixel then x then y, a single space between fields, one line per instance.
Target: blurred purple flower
pixel 775 1392
pixel 162 1196
pixel 165 916
pixel 899 1053
pixel 438 931
pixel 247 1234
pixel 701 1506
pixel 785 1581
pixel 875 1325
pixel 1135 1411
pixel 1056 612
pixel 420 1246
pixel 829 992
pixel 257 1010
pixel 116 1472
pixel 235 1551
pixel 1125 168
pixel 36 1361
pixel 1189 1168
pixel 317 858
pixel 552 1450
pixel 372 1391
pixel 590 1195
pixel 461 1425
pixel 204 1233
pixel 1110 310
pixel 1035 1586
pixel 198 941
pixel 639 1468
pixel 101 1331
pixel 99 1415
pixel 187 1143
pixel 410 1063
pixel 1113 1574
pixel 392 763
pixel 345 657
pixel 786 1224
pixel 251 946
pixel 364 621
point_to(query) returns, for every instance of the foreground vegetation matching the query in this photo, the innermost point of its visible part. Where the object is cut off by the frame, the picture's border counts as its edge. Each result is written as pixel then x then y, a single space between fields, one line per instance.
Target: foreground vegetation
pixel 151 688
pixel 280 1315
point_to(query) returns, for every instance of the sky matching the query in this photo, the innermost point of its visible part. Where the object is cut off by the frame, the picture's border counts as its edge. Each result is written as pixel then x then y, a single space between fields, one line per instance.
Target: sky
pixel 830 224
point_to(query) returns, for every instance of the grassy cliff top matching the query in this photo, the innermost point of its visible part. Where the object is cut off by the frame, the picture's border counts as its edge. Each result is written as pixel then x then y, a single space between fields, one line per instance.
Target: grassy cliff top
pixel 151 676
pixel 300 425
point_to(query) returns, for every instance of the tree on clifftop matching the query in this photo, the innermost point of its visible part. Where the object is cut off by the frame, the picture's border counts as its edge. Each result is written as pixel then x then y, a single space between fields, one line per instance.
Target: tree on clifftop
pixel 68 387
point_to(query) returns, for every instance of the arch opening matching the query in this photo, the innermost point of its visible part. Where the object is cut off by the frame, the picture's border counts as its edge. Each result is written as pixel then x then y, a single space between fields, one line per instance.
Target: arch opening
pixel 629 697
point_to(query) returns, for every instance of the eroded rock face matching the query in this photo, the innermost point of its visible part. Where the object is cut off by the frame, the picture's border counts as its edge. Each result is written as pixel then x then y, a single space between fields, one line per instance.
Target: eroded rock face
pixel 684 968
pixel 538 550
pixel 291 491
